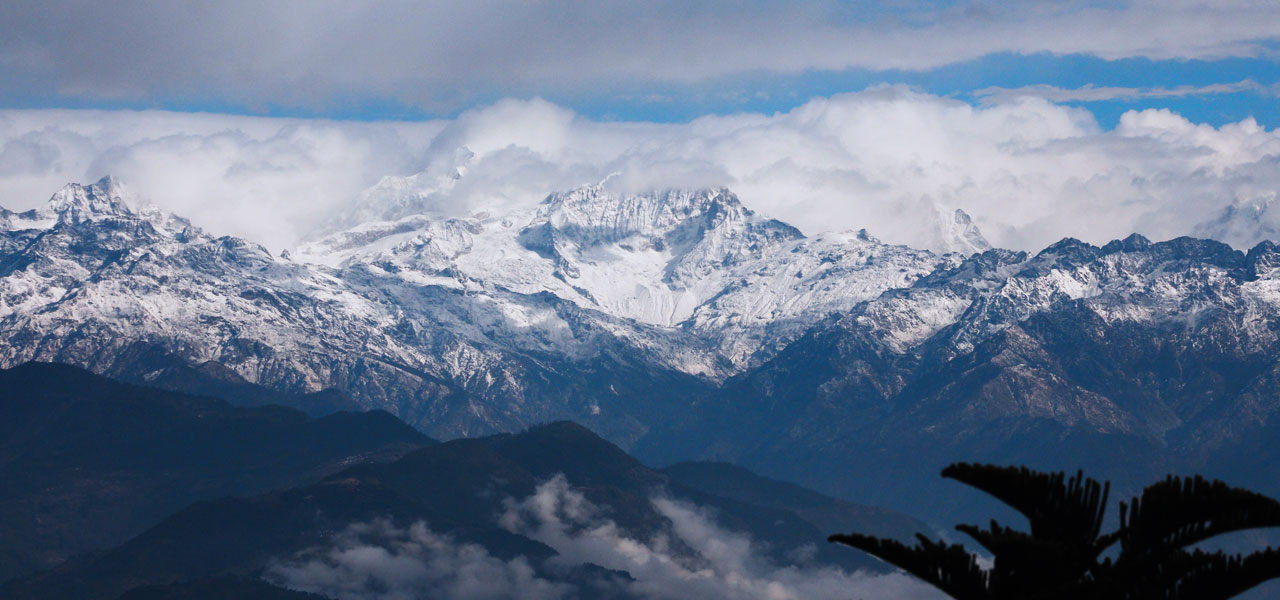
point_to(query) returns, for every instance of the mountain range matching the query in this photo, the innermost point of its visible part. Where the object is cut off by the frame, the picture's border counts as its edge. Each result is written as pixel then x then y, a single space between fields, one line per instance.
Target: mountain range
pixel 679 324
pixel 607 310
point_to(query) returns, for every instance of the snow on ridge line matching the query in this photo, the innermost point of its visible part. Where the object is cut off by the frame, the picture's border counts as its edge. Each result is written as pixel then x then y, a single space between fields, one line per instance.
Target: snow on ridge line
pixel 465 302
pixel 689 258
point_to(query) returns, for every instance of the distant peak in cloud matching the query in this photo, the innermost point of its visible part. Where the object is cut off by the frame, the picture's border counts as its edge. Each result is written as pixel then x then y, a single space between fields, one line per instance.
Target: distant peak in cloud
pixel 956 232
pixel 105 198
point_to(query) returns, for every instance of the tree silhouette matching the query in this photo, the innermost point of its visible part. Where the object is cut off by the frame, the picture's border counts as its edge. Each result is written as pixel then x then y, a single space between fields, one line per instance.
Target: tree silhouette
pixel 1061 557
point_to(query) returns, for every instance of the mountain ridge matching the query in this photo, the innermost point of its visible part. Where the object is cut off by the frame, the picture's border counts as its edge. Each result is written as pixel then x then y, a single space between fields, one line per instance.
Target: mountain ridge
pixel 796 356
pixel 88 462
pixel 466 492
pixel 425 319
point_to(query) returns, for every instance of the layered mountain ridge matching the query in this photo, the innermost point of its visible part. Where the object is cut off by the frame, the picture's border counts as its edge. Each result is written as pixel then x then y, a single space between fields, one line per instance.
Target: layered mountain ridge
pixel 1130 360
pixel 89 462
pixel 680 324
pixel 458 325
pixel 114 488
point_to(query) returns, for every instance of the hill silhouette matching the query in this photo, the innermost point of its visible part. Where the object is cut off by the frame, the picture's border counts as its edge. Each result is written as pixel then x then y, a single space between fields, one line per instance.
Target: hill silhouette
pixel 457 488
pixel 89 462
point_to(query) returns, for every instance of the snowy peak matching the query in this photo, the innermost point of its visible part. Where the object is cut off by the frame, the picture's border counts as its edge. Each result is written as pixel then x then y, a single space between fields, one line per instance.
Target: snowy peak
pixel 694 233
pixel 965 234
pixel 107 199
pixel 1183 285
pixel 591 215
pixel 1244 223
pixel 654 257
pixel 1264 259
pixel 396 197
pixel 695 260
pixel 75 202
pixel 955 232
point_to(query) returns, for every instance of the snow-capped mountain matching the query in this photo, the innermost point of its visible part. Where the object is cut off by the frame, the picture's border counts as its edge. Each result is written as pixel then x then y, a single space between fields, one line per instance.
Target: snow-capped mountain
pixel 582 308
pixel 396 197
pixel 89 280
pixel 1244 221
pixel 1130 360
pixel 694 261
pixel 682 324
pixel 958 233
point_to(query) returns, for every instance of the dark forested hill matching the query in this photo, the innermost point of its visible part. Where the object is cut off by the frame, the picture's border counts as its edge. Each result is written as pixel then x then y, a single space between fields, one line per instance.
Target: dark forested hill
pixel 88 462
pixel 556 498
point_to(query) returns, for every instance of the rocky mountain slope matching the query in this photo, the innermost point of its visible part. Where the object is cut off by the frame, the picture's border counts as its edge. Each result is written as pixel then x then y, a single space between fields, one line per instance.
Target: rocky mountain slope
pixel 696 262
pixel 682 325
pixel 1129 360
pixel 610 310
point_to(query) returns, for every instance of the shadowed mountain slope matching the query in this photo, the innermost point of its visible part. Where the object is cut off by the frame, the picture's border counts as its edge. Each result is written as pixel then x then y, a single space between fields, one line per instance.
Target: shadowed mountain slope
pixel 459 489
pixel 89 462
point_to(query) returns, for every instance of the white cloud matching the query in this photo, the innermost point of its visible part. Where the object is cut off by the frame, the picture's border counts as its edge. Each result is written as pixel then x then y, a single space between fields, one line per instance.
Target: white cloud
pixel 378 561
pixel 1030 172
pixel 446 54
pixel 265 179
pixel 1092 93
pixel 725 566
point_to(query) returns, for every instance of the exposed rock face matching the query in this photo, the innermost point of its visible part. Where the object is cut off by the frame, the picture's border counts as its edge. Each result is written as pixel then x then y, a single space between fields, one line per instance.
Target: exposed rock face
pixel 1130 359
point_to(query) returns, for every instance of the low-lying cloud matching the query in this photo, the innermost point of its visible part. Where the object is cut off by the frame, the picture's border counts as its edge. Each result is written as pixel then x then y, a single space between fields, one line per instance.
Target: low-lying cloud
pixel 378 561
pixel 725 565
pixel 1029 171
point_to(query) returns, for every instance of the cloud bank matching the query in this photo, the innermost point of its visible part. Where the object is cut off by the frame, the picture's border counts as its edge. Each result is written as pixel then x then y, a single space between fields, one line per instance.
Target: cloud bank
pixel 444 55
pixel 269 180
pixel 1028 171
pixel 380 562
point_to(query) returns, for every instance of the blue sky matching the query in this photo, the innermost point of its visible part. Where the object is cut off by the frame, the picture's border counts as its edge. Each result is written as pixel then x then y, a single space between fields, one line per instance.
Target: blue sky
pixel 773 92
pixel 770 93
